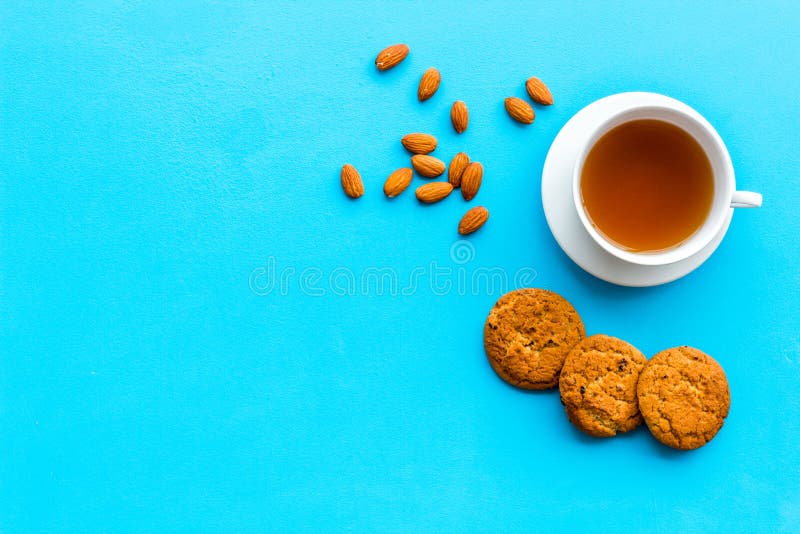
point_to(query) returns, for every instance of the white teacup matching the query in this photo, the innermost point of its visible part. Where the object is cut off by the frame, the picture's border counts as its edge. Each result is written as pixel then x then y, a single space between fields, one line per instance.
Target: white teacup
pixel 725 194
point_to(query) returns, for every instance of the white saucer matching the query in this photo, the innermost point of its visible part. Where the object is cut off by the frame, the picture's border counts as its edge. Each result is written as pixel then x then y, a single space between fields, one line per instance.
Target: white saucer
pixel 562 217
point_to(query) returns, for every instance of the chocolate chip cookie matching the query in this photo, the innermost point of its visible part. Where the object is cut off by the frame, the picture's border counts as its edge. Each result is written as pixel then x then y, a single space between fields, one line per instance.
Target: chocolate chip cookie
pixel 684 397
pixel 527 337
pixel 598 385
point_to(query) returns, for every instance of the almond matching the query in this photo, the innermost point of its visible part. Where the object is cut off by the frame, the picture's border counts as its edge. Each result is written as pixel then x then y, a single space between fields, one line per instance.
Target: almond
pixel 519 110
pixel 471 180
pixel 397 182
pixel 538 91
pixel 428 84
pixel 427 166
pixel 351 181
pixel 472 220
pixel 459 115
pixel 456 168
pixel 419 143
pixel 391 56
pixel 434 192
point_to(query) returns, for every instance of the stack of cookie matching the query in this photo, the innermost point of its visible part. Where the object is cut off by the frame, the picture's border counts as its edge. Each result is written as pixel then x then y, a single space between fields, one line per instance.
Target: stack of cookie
pixel 535 339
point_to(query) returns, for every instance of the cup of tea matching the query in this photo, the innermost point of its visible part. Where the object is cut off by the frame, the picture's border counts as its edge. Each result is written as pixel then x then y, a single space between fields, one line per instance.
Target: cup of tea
pixel 653 185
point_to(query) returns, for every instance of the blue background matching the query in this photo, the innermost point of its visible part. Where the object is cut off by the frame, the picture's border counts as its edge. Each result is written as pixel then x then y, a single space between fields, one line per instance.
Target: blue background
pixel 154 156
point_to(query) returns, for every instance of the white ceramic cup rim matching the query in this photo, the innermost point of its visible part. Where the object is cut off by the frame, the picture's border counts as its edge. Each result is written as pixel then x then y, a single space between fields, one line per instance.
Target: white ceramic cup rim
pixel 722 168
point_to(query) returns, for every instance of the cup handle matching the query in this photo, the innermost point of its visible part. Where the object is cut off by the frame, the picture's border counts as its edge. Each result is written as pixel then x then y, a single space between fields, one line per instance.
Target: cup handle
pixel 746 199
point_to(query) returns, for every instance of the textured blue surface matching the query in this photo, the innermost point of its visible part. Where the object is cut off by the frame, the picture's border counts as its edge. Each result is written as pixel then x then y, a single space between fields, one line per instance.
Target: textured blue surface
pixel 157 159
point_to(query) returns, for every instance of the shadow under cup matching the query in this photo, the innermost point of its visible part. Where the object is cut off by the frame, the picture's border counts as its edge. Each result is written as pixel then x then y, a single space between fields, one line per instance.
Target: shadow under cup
pixel 722 177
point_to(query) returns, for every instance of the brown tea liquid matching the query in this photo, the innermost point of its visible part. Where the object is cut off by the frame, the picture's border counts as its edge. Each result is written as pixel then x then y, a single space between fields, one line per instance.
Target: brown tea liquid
pixel 647 185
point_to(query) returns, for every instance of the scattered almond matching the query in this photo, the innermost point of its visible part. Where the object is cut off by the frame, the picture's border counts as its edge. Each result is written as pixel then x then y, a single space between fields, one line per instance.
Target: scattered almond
pixel 397 182
pixel 351 181
pixel 433 192
pixel 459 115
pixel 471 180
pixel 519 110
pixel 472 220
pixel 428 84
pixel 391 56
pixel 538 91
pixel 419 143
pixel 456 169
pixel 427 166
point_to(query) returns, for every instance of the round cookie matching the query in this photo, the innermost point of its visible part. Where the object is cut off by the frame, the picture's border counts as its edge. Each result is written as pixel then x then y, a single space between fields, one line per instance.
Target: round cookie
pixel 598 385
pixel 684 397
pixel 527 336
